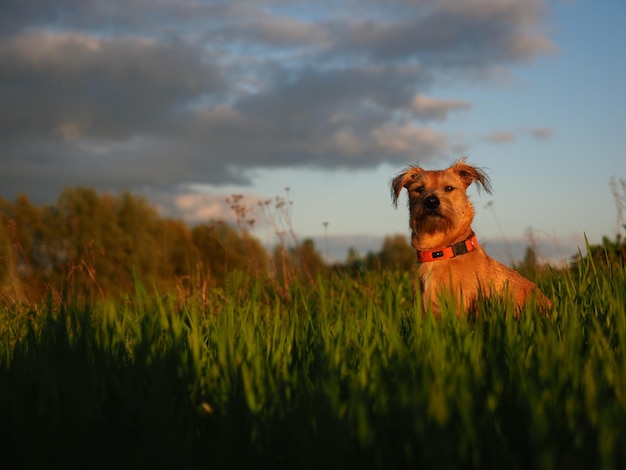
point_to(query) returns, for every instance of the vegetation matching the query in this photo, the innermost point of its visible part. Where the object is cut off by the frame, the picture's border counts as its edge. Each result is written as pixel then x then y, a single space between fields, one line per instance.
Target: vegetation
pixel 94 245
pixel 348 372
pixel 293 369
pixel 99 243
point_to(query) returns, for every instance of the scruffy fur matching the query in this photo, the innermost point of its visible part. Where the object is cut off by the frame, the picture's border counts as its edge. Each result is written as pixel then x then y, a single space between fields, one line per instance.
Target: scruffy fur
pixel 440 214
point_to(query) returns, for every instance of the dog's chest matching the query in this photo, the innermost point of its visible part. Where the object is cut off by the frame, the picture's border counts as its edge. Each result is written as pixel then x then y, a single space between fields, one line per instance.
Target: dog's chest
pixel 451 272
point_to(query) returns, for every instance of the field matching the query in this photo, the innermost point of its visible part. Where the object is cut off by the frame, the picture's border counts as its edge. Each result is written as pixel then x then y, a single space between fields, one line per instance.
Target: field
pixel 345 371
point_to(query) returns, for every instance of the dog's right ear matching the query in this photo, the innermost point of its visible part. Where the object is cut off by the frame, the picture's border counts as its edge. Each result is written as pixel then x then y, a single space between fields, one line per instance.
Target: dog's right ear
pixel 402 181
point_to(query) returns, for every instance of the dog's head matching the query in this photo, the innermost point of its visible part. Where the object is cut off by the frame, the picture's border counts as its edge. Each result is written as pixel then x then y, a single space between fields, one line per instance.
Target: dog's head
pixel 439 208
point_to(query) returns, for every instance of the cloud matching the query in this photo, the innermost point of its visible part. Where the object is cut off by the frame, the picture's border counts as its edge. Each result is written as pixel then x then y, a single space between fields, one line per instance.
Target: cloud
pixel 500 137
pixel 157 94
pixel 505 137
pixel 412 141
pixel 477 33
pixel 272 30
pixel 193 206
pixel 109 89
pixel 542 133
pixel 427 109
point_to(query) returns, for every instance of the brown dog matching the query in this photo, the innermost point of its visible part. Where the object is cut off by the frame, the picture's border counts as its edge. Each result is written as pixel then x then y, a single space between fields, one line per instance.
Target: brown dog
pixel 451 260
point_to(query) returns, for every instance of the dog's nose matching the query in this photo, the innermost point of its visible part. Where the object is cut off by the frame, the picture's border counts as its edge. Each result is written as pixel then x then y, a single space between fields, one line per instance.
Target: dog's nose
pixel 431 202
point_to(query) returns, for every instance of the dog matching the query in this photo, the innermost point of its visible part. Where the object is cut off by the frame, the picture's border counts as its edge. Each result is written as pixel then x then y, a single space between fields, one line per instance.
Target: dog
pixel 451 262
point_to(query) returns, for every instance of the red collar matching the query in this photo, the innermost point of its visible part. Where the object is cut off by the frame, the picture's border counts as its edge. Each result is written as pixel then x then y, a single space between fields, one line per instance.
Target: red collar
pixel 449 251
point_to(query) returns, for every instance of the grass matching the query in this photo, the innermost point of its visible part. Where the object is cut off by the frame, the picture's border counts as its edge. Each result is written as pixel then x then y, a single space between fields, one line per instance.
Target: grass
pixel 344 372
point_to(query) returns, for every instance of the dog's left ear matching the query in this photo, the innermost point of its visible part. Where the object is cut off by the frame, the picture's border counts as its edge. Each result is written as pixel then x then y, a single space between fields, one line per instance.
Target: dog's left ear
pixel 402 181
pixel 470 174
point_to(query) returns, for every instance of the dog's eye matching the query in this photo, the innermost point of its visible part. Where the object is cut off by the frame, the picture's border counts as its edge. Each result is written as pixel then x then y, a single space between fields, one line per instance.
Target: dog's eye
pixel 448 189
pixel 419 190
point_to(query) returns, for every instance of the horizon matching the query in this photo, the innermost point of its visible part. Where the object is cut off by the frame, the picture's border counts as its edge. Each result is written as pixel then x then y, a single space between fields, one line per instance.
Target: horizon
pixel 270 222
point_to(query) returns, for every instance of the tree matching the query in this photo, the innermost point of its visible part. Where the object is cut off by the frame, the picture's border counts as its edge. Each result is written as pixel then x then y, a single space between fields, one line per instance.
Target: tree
pixel 529 266
pixel 220 249
pixel 27 231
pixel 137 248
pixel 396 253
pixel 91 247
pixel 179 257
pixel 8 275
pixel 211 254
pixel 90 244
pixel 309 259
pixel 611 253
pixel 302 261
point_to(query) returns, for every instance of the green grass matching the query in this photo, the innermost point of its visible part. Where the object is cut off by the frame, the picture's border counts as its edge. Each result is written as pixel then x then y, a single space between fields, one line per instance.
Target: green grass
pixel 343 373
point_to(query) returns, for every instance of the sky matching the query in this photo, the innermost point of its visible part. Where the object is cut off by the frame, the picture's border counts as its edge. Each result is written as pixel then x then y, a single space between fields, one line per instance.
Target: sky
pixel 320 104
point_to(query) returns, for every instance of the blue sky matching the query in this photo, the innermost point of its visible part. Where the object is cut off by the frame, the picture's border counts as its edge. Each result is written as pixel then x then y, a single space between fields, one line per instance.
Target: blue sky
pixel 187 102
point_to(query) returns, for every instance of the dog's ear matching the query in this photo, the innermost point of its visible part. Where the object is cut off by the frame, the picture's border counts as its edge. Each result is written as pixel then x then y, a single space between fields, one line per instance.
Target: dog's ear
pixel 402 181
pixel 470 174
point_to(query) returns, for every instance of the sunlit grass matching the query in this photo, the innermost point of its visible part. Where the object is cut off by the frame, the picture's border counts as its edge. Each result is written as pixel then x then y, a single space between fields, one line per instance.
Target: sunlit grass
pixel 342 372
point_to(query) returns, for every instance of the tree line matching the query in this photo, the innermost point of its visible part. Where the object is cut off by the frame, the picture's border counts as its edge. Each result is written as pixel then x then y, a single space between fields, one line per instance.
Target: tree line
pixel 98 244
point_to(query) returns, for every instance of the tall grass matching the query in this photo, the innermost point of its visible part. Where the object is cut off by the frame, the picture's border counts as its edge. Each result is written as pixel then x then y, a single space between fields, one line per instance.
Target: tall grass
pixel 344 372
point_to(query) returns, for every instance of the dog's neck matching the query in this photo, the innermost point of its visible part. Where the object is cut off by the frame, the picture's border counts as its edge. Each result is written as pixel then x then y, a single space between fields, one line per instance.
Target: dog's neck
pixel 449 251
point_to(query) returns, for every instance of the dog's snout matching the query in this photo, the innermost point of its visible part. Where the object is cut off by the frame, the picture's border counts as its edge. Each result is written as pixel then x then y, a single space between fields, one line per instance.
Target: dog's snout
pixel 431 202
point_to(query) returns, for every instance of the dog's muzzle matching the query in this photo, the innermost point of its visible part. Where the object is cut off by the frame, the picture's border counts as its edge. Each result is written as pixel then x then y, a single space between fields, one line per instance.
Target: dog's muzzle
pixel 431 202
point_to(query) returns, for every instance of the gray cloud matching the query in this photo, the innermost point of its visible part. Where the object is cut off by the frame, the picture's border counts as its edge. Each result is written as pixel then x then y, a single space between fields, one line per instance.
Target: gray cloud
pixel 500 137
pixel 505 137
pixel 159 93
pixel 78 85
pixel 454 33
pixel 427 109
pixel 542 133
